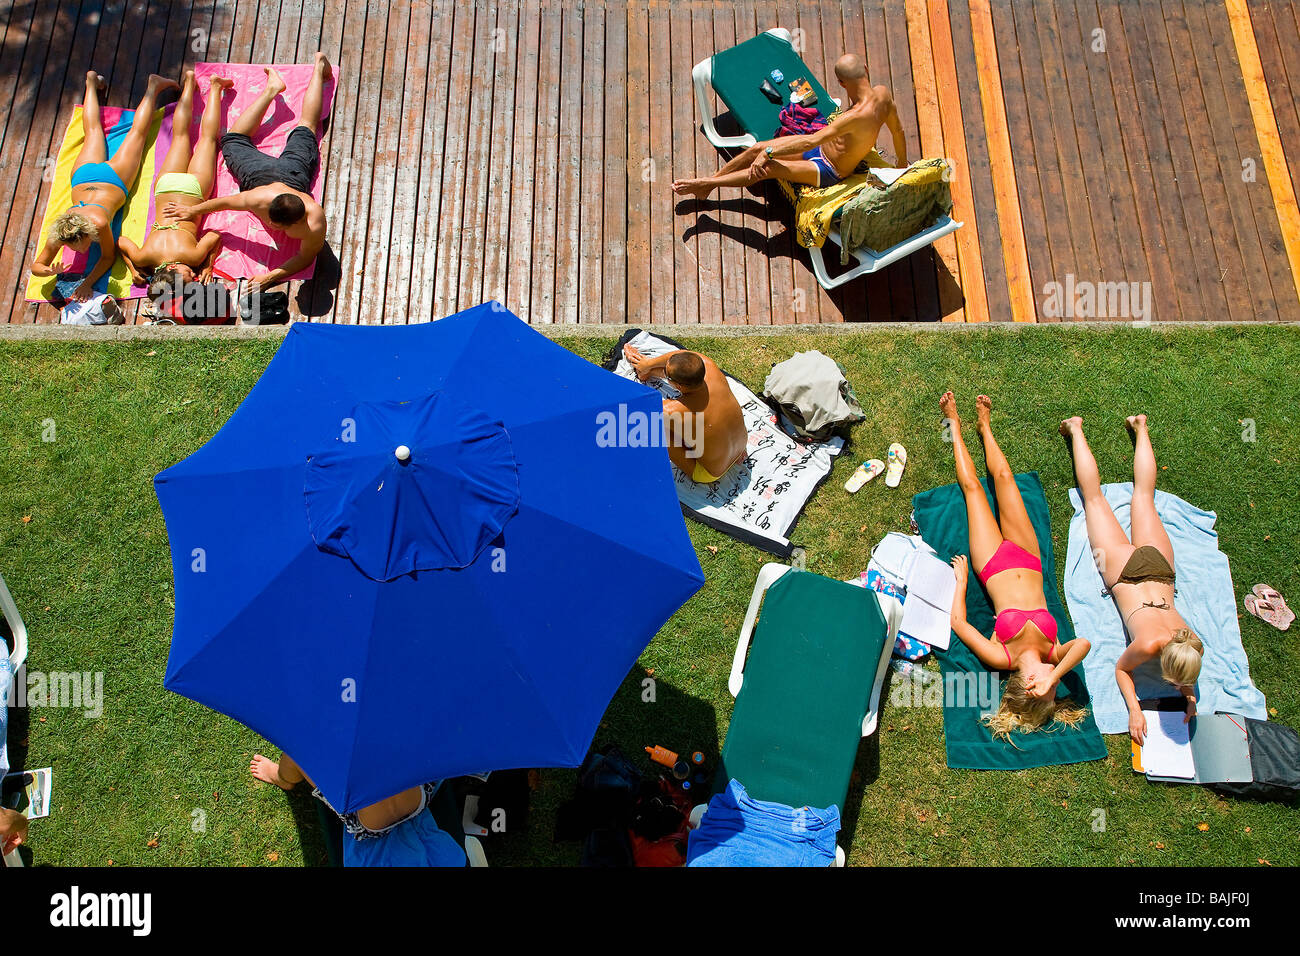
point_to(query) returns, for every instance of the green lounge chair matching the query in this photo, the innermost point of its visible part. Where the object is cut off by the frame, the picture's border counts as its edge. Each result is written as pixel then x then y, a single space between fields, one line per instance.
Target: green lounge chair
pixel 808 690
pixel 736 76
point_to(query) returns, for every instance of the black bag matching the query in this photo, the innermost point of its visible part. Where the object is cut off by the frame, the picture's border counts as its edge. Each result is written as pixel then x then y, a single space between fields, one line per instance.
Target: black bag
pixel 264 308
pixel 1274 764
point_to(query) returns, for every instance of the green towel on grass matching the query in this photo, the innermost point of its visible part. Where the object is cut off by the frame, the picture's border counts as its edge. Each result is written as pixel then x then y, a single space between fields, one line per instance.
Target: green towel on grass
pixel 941 517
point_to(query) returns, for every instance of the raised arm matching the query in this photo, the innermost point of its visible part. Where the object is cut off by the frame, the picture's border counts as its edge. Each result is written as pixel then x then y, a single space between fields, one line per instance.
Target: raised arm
pixel 1124 667
pixel 175 210
pixel 43 264
pixel 990 653
pixel 896 131
pixel 209 247
pixel 311 247
pixel 131 255
pixel 1067 656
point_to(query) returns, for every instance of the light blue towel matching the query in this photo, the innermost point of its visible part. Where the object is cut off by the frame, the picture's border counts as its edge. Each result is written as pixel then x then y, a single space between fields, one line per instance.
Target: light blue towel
pixel 417 842
pixel 6 684
pixel 1204 598
pixel 738 830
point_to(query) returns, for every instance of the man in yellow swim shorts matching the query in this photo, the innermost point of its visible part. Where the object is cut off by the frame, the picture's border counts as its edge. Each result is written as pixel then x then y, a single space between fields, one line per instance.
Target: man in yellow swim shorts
pixel 704 424
pixel 173 252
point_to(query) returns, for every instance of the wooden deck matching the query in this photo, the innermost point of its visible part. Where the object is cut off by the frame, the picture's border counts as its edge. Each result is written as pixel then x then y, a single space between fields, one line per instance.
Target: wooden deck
pixel 523 150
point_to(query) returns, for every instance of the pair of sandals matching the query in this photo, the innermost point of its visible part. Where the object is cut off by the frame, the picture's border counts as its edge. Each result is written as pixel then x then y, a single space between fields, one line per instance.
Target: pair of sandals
pixel 1267 605
pixel 869 469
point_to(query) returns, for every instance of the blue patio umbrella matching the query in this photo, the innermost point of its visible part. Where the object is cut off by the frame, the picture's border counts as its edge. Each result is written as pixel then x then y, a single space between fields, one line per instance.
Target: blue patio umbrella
pixel 415 552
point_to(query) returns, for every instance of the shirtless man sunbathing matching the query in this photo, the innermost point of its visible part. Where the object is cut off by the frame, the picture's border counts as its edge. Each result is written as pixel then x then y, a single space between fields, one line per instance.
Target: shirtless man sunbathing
pixel 173 249
pixel 705 427
pixel 275 189
pixel 817 159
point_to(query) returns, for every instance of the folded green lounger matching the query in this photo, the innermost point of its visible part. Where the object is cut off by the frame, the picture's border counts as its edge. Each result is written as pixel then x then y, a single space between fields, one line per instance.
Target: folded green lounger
pixel 737 75
pixel 941 517
pixel 810 690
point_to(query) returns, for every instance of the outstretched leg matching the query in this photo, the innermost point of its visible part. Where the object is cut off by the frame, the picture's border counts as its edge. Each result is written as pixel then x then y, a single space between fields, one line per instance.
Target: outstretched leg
pixel 1110 548
pixel 251 118
pixel 1146 525
pixel 803 171
pixel 94 148
pixel 313 99
pixel 985 535
pixel 177 159
pixel 203 163
pixel 1012 516
pixel 126 161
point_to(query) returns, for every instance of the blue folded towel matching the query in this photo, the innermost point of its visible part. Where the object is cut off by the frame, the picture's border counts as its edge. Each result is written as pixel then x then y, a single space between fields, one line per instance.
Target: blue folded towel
pixel 738 830
pixel 1204 598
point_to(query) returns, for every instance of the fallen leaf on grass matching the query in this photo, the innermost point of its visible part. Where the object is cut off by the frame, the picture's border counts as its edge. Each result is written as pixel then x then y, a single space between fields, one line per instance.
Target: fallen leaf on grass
pixel 150 352
pixel 711 548
pixel 273 856
pixel 27 519
pixel 1202 827
pixel 152 843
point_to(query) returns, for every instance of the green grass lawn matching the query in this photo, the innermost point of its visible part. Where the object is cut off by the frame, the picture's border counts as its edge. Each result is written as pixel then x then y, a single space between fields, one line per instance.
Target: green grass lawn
pixel 84 550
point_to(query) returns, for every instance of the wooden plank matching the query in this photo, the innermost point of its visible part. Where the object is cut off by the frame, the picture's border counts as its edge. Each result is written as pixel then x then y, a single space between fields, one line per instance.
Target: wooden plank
pixel 15 123
pixel 1244 278
pixel 444 21
pixel 1216 265
pixel 403 298
pixel 542 299
pixel 996 290
pixel 923 302
pixel 354 282
pixel 266 31
pixel 1106 170
pixel 638 152
pixel 721 271
pixel 372 305
pixel 969 260
pixel 216 49
pixel 867 29
pixel 502 176
pixel 930 126
pixel 594 143
pixel 41 104
pixel 679 113
pixel 614 191
pixel 1172 297
pixel 748 222
pixel 243 32
pixel 473 239
pixel 521 257
pixel 451 206
pixel 663 233
pixel 1282 305
pixel 569 199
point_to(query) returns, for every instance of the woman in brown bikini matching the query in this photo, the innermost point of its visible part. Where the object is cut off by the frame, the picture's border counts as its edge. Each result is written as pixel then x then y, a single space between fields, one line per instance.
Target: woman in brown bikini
pixel 1139 573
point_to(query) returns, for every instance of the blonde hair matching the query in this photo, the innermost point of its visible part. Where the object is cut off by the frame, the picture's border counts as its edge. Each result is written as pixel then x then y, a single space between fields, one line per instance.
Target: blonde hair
pixel 71 227
pixel 1180 661
pixel 1019 711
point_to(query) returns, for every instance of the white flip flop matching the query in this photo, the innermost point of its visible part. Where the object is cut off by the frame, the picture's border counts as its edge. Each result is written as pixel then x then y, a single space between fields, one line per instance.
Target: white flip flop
pixel 862 474
pixel 897 462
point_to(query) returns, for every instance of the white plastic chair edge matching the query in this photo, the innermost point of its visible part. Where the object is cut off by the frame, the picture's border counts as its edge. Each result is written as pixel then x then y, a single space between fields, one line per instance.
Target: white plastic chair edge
pixel 768 575
pixel 474 851
pixel 892 609
pixel 702 79
pixel 868 262
pixel 10 612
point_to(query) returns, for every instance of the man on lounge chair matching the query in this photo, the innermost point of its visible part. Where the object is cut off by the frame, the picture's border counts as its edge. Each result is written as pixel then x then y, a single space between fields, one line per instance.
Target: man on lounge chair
pixel 817 159
pixel 277 190
pixel 704 425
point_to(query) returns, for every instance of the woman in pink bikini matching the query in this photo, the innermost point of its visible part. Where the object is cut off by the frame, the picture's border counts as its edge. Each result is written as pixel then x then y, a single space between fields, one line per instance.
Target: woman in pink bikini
pixel 1004 552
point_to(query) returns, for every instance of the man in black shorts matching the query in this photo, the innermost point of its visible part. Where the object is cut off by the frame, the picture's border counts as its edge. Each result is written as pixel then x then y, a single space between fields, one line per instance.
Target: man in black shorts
pixel 276 189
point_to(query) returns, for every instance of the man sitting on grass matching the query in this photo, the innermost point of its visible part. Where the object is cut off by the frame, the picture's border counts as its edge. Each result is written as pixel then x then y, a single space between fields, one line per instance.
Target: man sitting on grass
pixel 277 190
pixel 817 159
pixel 705 427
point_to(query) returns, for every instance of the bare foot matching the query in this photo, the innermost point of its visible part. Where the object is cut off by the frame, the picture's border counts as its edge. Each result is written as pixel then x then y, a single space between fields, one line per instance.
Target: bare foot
pixel 692 187
pixel 275 82
pixel 98 80
pixel 221 83
pixel 159 83
pixel 948 405
pixel 1136 422
pixel 1071 425
pixel 323 65
pixel 263 768
pixel 983 409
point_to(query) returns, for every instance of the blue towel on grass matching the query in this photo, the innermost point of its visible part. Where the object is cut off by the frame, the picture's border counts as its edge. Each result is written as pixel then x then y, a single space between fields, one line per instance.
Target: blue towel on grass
pixel 417 842
pixel 1204 598
pixel 738 830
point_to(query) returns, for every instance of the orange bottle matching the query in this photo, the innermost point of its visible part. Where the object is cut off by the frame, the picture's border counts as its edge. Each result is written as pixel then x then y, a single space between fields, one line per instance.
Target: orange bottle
pixel 662 756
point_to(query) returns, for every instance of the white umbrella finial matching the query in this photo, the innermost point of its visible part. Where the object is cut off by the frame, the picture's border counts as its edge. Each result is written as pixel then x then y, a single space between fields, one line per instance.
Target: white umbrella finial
pixel 402 452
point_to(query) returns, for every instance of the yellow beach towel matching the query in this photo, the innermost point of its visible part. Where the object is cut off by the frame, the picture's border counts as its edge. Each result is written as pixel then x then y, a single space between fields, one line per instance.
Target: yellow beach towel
pixel 135 218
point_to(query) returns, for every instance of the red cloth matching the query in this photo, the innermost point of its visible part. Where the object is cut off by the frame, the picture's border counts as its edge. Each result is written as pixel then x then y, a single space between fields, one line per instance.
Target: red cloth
pixel 799 120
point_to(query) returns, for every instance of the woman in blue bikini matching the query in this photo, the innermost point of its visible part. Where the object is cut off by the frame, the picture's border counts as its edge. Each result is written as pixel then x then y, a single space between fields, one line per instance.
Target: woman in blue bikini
pixel 99 185
pixel 1004 552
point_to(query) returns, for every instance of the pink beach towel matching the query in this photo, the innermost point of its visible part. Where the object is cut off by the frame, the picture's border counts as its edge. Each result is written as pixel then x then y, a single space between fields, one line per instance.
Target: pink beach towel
pixel 248 249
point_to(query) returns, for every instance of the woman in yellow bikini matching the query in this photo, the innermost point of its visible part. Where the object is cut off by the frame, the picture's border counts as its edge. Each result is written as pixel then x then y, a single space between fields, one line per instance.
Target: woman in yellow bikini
pixel 99 185
pixel 173 251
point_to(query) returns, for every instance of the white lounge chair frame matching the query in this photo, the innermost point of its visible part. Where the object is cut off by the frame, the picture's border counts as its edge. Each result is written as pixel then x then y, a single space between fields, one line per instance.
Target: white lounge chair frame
pixel 868 261
pixel 17 657
pixel 768 575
